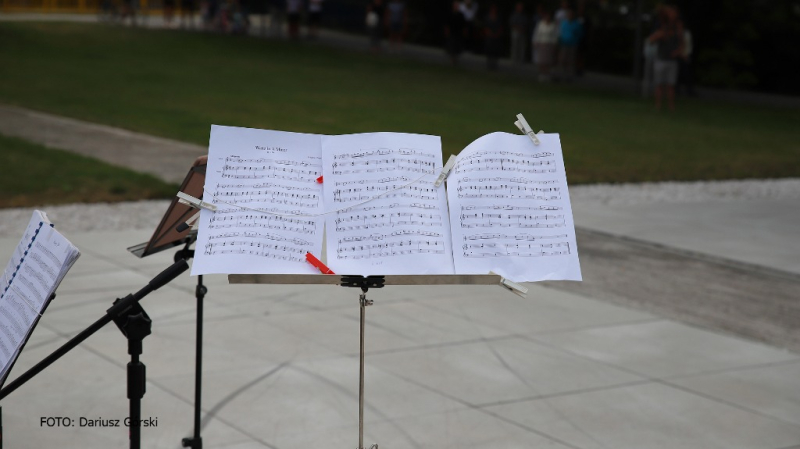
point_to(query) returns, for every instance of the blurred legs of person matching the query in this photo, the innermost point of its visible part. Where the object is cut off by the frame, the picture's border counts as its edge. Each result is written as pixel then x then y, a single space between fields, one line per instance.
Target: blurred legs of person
pixel 665 75
pixel 276 18
pixel 566 62
pixel 169 12
pixel 187 14
pixel 518 41
pixel 545 56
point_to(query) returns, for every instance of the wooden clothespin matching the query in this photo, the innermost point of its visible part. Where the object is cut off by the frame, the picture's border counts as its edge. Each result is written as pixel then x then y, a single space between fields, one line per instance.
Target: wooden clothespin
pixel 185 198
pixel 445 171
pixel 523 126
pixel 515 288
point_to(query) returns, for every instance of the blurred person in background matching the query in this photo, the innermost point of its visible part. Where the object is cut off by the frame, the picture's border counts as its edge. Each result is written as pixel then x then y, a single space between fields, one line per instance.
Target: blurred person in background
pixel 129 8
pixel 169 12
pixel 209 12
pixel 649 51
pixel 277 15
pixel 535 18
pixel 569 35
pixel 294 8
pixel 669 38
pixel 397 21
pixel 314 17
pixel 187 13
pixel 561 13
pixel 518 24
pixel 685 69
pixel 492 35
pixel 469 9
pixel 374 23
pixel 545 41
pixel 455 31
pixel 583 42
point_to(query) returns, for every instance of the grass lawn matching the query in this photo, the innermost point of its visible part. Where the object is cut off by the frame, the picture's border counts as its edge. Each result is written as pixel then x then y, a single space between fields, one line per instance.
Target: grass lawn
pixel 176 84
pixel 36 176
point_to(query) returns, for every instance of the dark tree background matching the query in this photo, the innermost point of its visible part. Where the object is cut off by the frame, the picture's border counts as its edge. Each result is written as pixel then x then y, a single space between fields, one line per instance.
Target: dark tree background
pixel 740 44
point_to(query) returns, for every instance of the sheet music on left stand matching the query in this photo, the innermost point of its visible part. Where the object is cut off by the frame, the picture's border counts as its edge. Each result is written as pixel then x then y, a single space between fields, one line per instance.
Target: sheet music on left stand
pixel 39 263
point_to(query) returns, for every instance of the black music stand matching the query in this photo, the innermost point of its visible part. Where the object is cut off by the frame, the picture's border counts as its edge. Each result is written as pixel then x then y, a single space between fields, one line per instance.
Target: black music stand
pixel 170 233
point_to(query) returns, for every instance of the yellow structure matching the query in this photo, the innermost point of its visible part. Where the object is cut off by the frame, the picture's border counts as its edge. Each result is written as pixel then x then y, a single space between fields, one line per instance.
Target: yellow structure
pixel 72 6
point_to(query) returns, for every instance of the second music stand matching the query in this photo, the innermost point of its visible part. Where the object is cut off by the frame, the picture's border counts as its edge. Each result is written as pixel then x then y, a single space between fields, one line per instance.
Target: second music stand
pixel 170 233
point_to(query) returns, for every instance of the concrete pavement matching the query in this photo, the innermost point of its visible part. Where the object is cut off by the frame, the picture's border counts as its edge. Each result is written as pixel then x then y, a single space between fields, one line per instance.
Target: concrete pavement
pixel 449 367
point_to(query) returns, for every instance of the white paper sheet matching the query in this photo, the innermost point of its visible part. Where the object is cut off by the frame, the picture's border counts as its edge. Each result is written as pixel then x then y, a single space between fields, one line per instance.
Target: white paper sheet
pixel 510 210
pixel 40 262
pixel 379 226
pixel 268 203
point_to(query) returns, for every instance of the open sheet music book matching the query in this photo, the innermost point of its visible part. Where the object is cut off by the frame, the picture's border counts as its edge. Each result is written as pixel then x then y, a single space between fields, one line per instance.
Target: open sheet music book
pixel 506 207
pixel 38 265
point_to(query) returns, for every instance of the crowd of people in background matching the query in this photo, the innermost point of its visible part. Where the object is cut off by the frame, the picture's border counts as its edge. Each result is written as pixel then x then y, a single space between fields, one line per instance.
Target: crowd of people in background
pixel 555 41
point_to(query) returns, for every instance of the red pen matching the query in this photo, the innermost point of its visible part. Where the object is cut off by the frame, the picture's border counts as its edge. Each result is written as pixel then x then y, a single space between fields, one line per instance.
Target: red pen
pixel 319 180
pixel 318 263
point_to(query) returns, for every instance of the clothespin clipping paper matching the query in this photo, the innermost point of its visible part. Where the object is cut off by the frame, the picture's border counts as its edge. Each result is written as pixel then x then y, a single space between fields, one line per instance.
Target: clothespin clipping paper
pixel 445 171
pixel 515 288
pixel 523 126
pixel 185 198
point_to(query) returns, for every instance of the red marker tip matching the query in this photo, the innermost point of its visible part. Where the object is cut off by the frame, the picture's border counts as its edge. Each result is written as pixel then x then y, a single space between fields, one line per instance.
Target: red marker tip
pixel 318 263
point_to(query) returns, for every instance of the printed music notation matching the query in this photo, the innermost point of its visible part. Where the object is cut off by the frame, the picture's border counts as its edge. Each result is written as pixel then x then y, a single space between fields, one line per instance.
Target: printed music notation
pixel 509 201
pixel 354 222
pixel 508 209
pixel 235 218
pixel 518 154
pixel 396 219
pixel 504 161
pixel 484 220
pixel 518 250
pixel 509 192
pixel 365 181
pixel 264 186
pixel 381 152
pixel 348 250
pixel 347 195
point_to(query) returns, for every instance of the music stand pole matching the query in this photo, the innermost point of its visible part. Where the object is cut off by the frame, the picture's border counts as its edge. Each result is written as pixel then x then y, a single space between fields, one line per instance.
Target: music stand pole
pixel 196 441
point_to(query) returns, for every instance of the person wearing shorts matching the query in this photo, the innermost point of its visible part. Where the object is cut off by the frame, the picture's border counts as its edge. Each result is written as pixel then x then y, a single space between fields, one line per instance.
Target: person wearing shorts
pixel 669 39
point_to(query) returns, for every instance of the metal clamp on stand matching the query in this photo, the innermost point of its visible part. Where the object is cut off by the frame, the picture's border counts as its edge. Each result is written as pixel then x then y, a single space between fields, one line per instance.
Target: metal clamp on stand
pixel 364 283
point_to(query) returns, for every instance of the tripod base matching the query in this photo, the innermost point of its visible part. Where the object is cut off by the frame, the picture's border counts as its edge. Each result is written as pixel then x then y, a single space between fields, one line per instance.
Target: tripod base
pixel 193 443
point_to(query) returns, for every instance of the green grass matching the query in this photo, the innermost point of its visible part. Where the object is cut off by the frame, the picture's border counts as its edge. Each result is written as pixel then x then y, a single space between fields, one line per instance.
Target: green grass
pixel 176 85
pixel 34 176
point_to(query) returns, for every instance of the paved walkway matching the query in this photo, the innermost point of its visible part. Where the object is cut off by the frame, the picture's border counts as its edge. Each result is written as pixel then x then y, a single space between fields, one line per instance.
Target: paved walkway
pixel 460 367
pixel 163 158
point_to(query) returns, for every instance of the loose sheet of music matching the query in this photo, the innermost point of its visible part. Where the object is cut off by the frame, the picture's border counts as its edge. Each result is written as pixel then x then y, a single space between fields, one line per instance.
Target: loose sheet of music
pixel 510 209
pixel 505 209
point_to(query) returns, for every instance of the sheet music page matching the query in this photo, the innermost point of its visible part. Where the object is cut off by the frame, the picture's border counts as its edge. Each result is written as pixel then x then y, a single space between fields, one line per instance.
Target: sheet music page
pixel 33 225
pixel 47 256
pixel 510 210
pixel 268 203
pixel 378 226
